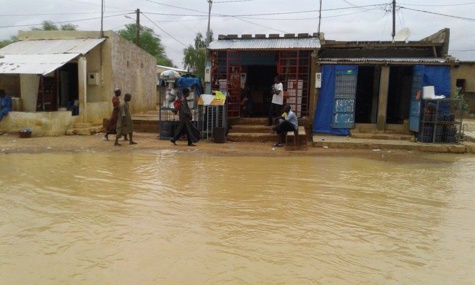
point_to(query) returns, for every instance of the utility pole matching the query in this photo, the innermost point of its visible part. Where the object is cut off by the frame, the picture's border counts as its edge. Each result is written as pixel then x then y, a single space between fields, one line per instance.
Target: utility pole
pixel 102 18
pixel 394 19
pixel 210 2
pixel 319 18
pixel 138 28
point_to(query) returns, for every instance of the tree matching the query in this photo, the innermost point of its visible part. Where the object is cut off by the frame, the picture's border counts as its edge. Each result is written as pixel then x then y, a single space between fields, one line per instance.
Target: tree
pixel 4 43
pixel 45 26
pixel 148 42
pixel 195 56
pixel 50 26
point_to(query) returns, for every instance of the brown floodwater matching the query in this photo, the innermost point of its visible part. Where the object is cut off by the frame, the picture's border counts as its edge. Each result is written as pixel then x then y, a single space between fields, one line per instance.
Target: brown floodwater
pixel 173 218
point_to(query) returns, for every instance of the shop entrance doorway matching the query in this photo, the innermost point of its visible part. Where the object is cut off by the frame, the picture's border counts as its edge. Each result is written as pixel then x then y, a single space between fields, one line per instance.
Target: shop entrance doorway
pixel 259 79
pixel 399 94
pixel 367 94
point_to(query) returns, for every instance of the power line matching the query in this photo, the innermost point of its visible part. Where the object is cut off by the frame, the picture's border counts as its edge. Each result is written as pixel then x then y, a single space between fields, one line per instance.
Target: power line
pixel 313 18
pixel 267 14
pixel 163 30
pixel 51 14
pixel 439 5
pixel 229 1
pixel 173 6
pixel 438 14
pixel 202 14
pixel 62 22
pixel 260 25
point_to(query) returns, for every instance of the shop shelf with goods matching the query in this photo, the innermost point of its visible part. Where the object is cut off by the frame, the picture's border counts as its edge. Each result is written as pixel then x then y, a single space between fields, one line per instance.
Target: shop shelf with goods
pixel 212 116
pixel 441 121
pixel 168 116
pixel 293 66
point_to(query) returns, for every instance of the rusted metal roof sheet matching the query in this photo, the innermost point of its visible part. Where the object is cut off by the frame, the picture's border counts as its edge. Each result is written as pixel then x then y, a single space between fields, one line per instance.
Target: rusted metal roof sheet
pixel 42 56
pixel 265 44
pixel 394 60
pixel 79 46
pixel 34 63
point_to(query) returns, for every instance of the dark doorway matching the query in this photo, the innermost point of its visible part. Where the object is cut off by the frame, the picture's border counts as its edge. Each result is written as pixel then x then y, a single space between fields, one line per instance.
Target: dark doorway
pixel 367 91
pixel 47 94
pixel 399 94
pixel 68 85
pixel 259 80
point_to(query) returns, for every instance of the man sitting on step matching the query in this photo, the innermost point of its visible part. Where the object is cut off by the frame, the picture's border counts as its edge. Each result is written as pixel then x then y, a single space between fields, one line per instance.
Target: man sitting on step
pixel 290 124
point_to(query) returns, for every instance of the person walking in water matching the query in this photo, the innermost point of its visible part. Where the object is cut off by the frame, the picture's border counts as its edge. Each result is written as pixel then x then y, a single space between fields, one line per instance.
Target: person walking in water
pixel 185 127
pixel 125 125
pixel 112 125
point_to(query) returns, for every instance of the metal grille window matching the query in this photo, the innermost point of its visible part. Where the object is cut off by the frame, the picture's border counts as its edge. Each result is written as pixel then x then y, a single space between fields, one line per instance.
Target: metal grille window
pixel 345 93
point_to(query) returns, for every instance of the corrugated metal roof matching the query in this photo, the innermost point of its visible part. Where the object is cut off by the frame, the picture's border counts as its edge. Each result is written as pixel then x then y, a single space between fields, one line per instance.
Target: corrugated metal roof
pixel 79 46
pixel 34 63
pixel 260 44
pixel 396 60
pixel 42 56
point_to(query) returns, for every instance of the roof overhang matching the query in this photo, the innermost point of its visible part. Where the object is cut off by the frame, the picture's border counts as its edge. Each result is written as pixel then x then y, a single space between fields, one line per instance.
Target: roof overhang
pixel 42 56
pixel 383 60
pixel 248 44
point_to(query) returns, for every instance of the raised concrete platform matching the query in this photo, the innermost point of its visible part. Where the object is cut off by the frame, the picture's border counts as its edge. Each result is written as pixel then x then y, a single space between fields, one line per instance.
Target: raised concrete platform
pixel 342 142
pixel 298 142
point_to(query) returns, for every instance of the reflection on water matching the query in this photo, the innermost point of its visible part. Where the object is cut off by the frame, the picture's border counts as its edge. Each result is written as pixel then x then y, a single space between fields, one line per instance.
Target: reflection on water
pixel 168 218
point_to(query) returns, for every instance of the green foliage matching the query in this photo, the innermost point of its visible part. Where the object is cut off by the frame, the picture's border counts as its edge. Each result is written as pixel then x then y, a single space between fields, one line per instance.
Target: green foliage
pixel 68 27
pixel 4 43
pixel 50 26
pixel 148 42
pixel 459 95
pixel 45 26
pixel 194 57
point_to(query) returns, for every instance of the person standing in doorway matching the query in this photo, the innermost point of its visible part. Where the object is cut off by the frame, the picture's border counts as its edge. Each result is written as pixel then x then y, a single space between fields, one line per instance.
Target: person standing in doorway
pixel 185 127
pixel 112 125
pixel 277 100
pixel 5 104
pixel 125 125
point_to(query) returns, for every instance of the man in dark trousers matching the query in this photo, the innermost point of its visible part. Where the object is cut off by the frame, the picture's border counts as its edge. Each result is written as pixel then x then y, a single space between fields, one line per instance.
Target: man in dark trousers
pixel 277 100
pixel 185 127
pixel 289 124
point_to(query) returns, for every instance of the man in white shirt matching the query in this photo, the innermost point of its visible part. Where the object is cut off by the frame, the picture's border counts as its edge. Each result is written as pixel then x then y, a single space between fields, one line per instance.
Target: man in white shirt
pixel 277 100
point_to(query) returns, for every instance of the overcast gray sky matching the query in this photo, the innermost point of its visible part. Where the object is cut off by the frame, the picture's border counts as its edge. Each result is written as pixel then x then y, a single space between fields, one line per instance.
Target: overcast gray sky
pixel 178 22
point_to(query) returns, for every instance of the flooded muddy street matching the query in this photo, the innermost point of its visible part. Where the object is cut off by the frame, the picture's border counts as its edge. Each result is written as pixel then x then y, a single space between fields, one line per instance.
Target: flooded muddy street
pixel 169 217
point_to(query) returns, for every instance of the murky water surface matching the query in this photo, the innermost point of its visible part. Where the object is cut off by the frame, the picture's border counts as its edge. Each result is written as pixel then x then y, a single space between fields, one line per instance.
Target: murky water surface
pixel 171 218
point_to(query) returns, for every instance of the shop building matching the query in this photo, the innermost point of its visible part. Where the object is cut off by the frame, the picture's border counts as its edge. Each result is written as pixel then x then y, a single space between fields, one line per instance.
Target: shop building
pixel 247 65
pixel 60 78
pixel 378 85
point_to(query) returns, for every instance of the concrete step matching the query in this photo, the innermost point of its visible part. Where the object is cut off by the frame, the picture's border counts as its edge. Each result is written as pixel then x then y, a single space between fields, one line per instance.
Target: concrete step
pixel 382 136
pixel 82 125
pixel 84 130
pixel 247 121
pixel 145 125
pixel 251 129
pixel 251 137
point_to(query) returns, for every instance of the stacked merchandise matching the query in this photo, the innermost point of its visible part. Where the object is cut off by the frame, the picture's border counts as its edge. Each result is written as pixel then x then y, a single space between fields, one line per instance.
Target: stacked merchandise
pixel 438 126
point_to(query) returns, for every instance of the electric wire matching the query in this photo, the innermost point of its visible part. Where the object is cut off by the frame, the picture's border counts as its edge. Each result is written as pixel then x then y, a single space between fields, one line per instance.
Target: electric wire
pixel 163 30
pixel 438 14
pixel 62 22
pixel 439 5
